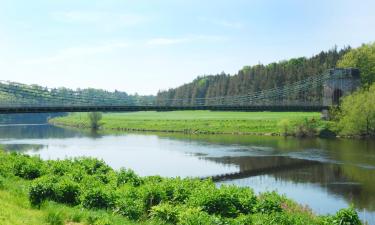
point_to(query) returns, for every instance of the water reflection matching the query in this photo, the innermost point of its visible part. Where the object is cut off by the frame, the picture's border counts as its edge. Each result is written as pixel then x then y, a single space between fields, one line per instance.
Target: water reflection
pixel 326 174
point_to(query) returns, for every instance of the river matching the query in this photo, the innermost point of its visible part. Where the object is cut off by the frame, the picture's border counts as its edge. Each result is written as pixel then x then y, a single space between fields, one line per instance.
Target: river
pixel 325 174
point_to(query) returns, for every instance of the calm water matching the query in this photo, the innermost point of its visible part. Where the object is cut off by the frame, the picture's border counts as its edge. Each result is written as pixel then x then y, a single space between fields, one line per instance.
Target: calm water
pixel 325 174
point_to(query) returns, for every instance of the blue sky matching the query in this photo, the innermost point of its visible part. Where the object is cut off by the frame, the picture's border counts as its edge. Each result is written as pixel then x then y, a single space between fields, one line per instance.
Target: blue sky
pixel 144 46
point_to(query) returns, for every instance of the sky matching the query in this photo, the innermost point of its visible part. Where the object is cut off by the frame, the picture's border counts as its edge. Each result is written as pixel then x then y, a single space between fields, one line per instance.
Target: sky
pixel 145 46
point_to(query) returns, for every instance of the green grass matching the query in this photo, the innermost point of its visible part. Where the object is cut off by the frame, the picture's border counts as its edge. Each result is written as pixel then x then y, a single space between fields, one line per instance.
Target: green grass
pixel 15 209
pixel 191 121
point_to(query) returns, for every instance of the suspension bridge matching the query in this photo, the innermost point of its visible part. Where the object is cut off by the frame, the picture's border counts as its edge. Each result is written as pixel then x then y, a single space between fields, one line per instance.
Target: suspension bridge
pixel 314 93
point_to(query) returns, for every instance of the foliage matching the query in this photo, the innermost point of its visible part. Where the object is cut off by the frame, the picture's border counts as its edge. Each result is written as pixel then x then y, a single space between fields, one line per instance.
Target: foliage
pixel 284 125
pixel 306 128
pixel 357 115
pixel 362 58
pixel 123 194
pixel 128 176
pixel 256 78
pixel 94 118
pixel 165 212
pixel 269 202
pixel 228 201
pixel 27 167
pixel 345 217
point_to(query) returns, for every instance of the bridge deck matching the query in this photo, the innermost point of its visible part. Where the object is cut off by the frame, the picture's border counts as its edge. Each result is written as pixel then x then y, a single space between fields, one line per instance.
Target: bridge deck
pixel 119 108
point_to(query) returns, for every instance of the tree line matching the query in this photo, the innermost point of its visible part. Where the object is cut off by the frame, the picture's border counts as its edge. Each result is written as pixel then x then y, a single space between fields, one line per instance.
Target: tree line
pixel 256 78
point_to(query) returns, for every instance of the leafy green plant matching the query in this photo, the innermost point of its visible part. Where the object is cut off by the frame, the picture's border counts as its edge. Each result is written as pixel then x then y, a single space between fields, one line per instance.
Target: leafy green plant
pixel 95 118
pixel 67 191
pixel 27 167
pixel 195 216
pixel 42 189
pixel 98 197
pixel 127 176
pixel 284 126
pixel 227 201
pixel 269 202
pixel 165 212
pixel 346 217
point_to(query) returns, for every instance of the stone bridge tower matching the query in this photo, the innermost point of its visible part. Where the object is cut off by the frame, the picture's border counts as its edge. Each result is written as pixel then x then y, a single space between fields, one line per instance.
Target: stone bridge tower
pixel 340 82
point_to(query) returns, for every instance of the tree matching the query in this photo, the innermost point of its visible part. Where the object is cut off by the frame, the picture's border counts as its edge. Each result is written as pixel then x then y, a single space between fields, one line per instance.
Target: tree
pixel 358 113
pixel 362 58
pixel 94 118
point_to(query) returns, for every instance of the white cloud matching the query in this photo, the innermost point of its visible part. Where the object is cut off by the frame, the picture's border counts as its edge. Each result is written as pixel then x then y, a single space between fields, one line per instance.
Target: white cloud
pixel 99 17
pixel 73 52
pixel 173 41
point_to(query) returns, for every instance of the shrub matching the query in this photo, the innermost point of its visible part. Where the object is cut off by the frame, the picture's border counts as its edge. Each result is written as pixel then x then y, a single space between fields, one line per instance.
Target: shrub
pixel 227 201
pixel 306 128
pixel 358 113
pixel 195 216
pixel 179 190
pixel 98 197
pixel 346 217
pixel 92 166
pixel 165 212
pixel 94 118
pixel 27 167
pixel 127 176
pixel 152 194
pixel 67 191
pixel 269 202
pixel 131 208
pixel 41 189
pixel 284 126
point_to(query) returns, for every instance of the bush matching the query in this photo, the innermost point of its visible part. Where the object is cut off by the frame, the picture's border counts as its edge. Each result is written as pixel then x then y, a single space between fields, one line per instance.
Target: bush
pixel 227 201
pixel 358 113
pixel 152 194
pixel 346 217
pixel 165 212
pixel 98 197
pixel 127 176
pixel 269 202
pixel 284 126
pixel 27 167
pixel 94 118
pixel 131 208
pixel 195 216
pixel 67 191
pixel 42 189
pixel 306 128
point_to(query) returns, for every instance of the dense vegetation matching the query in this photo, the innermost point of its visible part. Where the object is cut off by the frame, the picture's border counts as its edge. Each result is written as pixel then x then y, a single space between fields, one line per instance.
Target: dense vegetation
pixel 86 185
pixel 255 78
pixel 212 122
pixel 362 58
pixel 356 114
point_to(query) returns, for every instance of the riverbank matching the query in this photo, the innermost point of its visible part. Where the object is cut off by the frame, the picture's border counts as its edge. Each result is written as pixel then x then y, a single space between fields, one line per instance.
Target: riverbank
pixel 197 122
pixel 87 191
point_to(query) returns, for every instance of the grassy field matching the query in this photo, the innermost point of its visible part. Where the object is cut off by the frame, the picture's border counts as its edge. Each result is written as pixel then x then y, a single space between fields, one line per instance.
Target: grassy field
pixel 191 121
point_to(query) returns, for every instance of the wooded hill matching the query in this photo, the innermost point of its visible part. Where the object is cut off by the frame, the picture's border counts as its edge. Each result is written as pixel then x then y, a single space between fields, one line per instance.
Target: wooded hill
pixel 256 78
